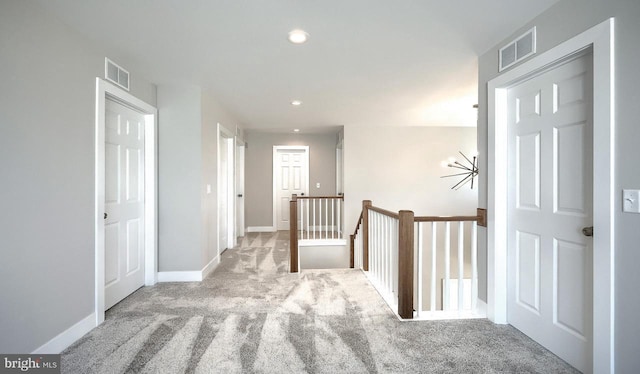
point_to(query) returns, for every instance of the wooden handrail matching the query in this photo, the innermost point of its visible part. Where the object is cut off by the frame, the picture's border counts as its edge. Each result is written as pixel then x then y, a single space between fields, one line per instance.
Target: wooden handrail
pixel 341 197
pixel 358 225
pixel 387 213
pixel 445 218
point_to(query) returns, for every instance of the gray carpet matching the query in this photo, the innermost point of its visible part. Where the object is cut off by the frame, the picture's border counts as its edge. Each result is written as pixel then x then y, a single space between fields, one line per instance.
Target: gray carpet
pixel 252 316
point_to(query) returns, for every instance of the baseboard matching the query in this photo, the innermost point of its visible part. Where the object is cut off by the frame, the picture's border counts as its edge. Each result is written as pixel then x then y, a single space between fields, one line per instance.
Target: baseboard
pixel 211 266
pixel 321 242
pixel 261 229
pixel 68 337
pixel 189 276
pixel 179 276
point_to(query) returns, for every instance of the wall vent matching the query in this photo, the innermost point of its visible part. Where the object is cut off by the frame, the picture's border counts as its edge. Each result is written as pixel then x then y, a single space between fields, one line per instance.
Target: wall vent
pixel 517 50
pixel 115 74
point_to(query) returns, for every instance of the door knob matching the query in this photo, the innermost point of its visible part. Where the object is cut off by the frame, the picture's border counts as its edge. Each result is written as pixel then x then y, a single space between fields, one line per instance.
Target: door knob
pixel 240 195
pixel 587 231
pixel 105 216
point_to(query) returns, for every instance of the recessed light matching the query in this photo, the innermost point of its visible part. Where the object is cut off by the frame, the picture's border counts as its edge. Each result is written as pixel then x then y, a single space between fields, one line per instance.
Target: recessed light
pixel 296 130
pixel 298 36
pixel 296 103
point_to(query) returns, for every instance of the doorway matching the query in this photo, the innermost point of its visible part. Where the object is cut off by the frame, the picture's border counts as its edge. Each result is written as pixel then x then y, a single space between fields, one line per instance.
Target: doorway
pixel 226 189
pixel 503 167
pixel 125 196
pixel 550 140
pixel 240 148
pixel 290 176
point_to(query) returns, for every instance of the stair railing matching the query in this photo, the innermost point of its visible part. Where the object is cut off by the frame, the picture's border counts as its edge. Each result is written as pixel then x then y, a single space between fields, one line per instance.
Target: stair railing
pixel 314 220
pixel 391 248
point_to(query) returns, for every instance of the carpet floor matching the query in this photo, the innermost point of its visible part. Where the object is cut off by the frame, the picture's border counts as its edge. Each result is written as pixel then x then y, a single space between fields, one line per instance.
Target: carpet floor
pixel 252 316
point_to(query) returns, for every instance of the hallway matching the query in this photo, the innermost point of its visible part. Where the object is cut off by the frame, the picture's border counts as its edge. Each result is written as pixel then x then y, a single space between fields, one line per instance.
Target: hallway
pixel 251 315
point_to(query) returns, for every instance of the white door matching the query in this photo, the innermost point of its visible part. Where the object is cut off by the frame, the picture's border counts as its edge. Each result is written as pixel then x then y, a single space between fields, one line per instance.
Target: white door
pixel 226 202
pixel 291 172
pixel 240 189
pixel 550 270
pixel 124 202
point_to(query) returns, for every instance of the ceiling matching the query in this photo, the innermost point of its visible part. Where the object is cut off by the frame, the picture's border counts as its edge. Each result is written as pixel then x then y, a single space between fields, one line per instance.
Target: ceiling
pixel 367 62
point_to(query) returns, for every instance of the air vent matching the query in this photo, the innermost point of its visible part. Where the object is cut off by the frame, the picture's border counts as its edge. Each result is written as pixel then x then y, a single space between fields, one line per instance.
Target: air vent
pixel 517 50
pixel 115 74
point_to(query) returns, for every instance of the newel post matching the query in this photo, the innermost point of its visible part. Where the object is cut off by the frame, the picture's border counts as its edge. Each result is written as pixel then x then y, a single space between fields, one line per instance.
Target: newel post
pixel 352 245
pixel 293 234
pixel 365 234
pixel 405 264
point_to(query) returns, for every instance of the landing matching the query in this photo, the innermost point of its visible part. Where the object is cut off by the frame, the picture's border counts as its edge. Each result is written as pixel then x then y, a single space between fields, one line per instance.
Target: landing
pixel 251 315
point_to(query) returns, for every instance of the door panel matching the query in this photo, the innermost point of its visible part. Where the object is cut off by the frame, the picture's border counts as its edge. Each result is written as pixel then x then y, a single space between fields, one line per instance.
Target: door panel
pixel 550 200
pixel 111 234
pixel 124 202
pixel 528 271
pixel 570 286
pixel 133 239
pixel 528 173
pixel 569 166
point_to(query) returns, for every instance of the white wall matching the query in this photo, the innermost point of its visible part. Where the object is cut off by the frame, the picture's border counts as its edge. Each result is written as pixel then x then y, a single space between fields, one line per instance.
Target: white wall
pixel 212 114
pixel 47 109
pixel 259 170
pixel 561 22
pixel 324 256
pixel 187 163
pixel 399 168
pixel 179 178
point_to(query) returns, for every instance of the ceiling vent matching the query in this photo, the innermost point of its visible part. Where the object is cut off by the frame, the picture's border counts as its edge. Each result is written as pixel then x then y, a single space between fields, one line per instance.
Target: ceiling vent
pixel 517 50
pixel 115 74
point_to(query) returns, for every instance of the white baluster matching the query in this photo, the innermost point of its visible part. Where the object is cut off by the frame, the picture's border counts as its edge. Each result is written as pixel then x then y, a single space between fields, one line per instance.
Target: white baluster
pixel 420 251
pixel 434 235
pixel 387 252
pixel 372 244
pixel 396 237
pixel 460 265
pixel 339 228
pixel 326 219
pixel 378 249
pixel 474 265
pixel 392 249
pixel 333 212
pixel 447 263
pixel 320 217
pixel 307 217
pixel 301 202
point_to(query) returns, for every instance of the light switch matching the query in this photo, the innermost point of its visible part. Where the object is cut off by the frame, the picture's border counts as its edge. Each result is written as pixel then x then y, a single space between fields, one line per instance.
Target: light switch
pixel 631 201
pixel 318 185
pixel 208 189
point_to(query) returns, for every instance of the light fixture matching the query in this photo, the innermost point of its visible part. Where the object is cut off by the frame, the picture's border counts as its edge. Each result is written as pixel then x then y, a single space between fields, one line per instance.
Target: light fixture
pixel 296 130
pixel 469 172
pixel 298 36
pixel 296 103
